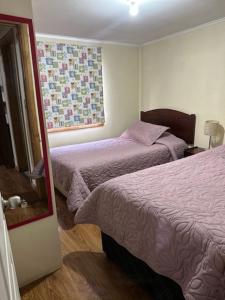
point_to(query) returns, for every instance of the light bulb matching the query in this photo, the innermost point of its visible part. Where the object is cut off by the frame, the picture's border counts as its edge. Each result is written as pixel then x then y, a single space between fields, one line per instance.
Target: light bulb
pixel 134 9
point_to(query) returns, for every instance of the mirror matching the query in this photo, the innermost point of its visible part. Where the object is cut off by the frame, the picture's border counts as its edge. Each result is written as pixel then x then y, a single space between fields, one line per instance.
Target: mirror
pixel 24 174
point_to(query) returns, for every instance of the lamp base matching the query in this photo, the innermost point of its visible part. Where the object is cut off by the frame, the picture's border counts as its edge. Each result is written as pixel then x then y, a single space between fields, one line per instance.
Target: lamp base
pixel 210 138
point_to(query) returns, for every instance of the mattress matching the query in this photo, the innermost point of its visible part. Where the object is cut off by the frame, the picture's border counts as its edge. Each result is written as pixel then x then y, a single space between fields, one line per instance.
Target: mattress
pixel 79 169
pixel 172 217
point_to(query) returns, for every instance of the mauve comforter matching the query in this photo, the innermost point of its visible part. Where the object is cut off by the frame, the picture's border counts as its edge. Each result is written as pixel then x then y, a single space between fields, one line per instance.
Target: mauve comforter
pixel 79 169
pixel 172 217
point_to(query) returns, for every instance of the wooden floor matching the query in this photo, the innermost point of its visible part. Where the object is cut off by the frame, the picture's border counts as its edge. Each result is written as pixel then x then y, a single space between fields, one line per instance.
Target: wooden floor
pixel 14 183
pixel 35 209
pixel 86 273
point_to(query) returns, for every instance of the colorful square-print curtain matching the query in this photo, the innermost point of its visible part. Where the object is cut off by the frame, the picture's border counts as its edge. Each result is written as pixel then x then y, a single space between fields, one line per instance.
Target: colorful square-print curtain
pixel 71 83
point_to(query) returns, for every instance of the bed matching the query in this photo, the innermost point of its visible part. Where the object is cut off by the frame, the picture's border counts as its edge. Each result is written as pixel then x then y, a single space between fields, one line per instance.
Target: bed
pixel 78 169
pixel 167 222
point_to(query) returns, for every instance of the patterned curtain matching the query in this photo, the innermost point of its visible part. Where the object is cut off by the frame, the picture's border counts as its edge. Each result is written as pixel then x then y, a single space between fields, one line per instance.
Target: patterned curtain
pixel 72 87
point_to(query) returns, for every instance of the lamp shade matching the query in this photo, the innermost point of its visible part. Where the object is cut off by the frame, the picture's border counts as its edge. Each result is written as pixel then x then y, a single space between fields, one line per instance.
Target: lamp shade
pixel 211 127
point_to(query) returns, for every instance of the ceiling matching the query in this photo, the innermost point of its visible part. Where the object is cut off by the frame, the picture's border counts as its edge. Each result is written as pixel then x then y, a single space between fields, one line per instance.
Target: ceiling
pixel 110 20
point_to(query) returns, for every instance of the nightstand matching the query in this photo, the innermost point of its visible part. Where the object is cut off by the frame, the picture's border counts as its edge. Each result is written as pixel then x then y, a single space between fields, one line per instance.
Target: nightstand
pixel 193 151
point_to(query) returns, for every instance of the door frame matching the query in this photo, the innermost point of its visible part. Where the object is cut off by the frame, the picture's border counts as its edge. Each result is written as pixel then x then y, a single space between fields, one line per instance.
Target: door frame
pixel 6 151
pixel 5 97
pixel 10 67
pixel 8 19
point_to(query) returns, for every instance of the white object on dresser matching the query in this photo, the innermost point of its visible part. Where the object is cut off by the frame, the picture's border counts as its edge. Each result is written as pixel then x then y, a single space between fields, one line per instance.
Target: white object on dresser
pixel 8 282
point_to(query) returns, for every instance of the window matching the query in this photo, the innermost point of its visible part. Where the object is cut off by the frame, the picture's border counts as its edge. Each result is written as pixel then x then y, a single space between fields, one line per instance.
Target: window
pixel 71 83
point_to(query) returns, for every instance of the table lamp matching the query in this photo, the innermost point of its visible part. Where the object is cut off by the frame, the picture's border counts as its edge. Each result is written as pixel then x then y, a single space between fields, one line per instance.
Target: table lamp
pixel 210 129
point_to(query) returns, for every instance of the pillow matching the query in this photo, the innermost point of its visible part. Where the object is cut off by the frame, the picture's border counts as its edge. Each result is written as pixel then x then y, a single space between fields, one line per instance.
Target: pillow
pixel 145 133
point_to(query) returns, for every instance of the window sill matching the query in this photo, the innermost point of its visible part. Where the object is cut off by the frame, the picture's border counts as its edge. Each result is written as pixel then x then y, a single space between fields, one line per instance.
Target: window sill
pixel 77 127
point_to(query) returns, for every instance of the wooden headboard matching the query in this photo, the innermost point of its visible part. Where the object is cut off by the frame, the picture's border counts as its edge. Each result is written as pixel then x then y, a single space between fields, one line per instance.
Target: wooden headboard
pixel 182 125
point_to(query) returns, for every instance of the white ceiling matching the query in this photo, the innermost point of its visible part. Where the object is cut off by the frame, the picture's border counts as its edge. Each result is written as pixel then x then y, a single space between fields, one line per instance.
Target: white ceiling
pixel 110 20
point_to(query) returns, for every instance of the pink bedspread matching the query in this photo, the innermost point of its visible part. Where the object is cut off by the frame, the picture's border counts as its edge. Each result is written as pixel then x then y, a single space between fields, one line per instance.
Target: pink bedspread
pixel 172 217
pixel 79 169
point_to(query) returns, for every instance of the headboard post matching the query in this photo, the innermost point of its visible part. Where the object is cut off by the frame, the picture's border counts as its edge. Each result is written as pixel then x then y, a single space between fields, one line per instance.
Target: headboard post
pixel 181 124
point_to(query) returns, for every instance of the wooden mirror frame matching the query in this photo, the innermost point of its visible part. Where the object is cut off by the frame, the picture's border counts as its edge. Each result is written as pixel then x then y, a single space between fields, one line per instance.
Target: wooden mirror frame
pixel 8 19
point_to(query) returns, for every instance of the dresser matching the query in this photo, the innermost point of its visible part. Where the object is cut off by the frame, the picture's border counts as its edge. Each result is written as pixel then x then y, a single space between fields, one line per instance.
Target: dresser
pixel 8 281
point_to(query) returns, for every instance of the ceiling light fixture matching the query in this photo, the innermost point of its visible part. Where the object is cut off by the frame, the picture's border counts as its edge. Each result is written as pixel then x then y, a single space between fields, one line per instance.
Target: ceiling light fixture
pixel 133 7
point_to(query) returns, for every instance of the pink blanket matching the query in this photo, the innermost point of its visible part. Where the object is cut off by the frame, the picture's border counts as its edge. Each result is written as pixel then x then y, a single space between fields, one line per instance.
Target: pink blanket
pixel 79 169
pixel 172 217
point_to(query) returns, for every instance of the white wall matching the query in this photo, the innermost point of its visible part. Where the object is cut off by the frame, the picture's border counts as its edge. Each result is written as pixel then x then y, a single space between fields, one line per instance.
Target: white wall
pixel 35 246
pixel 187 72
pixel 19 8
pixel 120 88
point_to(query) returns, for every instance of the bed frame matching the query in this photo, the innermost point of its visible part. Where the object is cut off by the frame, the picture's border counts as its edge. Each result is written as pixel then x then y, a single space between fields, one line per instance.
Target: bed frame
pixel 157 286
pixel 181 124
